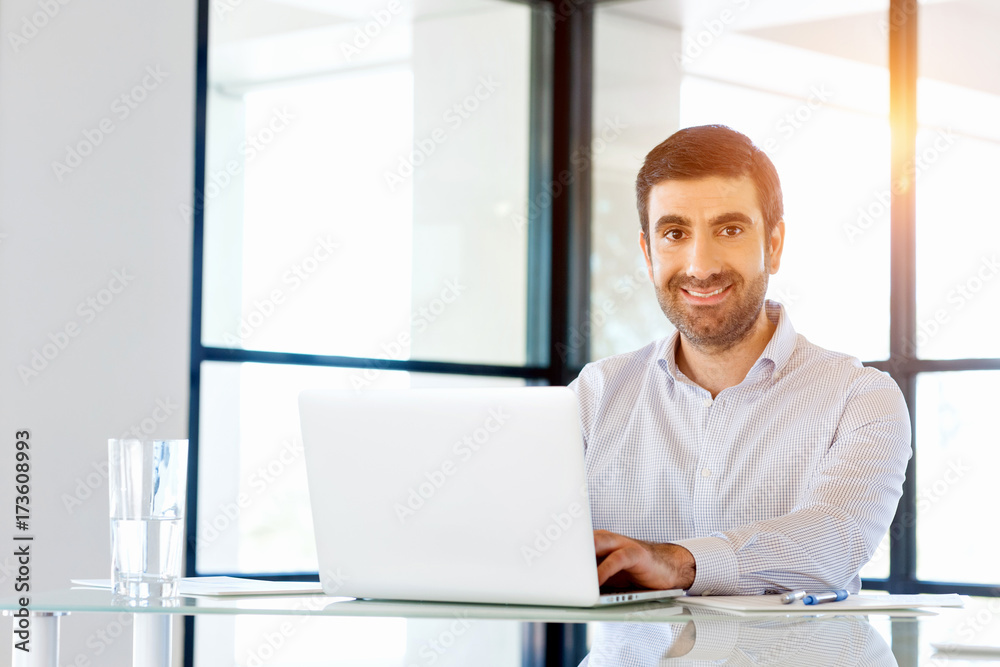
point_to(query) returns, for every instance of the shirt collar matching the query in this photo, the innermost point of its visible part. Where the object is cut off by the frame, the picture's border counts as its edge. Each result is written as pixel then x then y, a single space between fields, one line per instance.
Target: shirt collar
pixel 779 349
pixel 776 353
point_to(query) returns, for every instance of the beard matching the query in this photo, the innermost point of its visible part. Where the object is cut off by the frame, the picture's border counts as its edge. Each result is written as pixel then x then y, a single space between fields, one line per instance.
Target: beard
pixel 716 327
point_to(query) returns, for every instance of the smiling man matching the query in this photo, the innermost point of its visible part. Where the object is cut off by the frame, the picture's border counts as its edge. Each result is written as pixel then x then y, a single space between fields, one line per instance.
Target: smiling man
pixel 734 457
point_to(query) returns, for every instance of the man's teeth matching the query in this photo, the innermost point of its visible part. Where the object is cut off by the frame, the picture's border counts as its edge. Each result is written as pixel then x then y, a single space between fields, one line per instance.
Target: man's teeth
pixel 706 295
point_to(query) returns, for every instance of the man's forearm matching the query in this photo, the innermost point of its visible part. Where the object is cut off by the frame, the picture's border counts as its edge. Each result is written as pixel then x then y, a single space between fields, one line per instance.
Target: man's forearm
pixel 679 561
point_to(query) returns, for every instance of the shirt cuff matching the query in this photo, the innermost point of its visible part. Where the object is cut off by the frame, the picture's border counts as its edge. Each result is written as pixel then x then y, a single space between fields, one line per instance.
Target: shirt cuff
pixel 716 569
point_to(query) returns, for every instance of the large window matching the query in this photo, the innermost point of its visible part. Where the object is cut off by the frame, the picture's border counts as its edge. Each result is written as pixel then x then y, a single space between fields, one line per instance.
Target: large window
pixel 956 166
pixel 402 194
pixel 364 222
pixel 343 223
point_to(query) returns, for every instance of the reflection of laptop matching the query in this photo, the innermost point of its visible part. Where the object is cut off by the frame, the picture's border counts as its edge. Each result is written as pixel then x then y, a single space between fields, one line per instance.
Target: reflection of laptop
pixel 455 495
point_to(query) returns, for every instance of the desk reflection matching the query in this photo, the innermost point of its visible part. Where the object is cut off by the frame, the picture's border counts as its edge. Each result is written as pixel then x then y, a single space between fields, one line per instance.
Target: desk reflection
pixel 728 640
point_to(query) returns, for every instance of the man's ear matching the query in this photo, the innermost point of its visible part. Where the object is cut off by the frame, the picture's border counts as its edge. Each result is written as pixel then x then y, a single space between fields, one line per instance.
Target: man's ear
pixel 776 244
pixel 645 254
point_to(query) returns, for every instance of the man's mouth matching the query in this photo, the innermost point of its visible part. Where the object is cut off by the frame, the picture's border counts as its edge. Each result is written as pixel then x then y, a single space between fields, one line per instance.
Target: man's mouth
pixel 705 295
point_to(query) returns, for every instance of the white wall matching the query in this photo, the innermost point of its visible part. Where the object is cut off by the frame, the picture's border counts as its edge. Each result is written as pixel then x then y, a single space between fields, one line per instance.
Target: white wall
pixel 62 240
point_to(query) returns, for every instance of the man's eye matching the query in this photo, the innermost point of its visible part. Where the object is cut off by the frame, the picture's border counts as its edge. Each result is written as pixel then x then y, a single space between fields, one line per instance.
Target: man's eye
pixel 673 234
pixel 732 231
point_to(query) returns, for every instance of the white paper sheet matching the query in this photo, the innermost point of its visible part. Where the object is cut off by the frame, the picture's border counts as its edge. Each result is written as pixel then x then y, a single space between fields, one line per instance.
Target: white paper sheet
pixel 854 603
pixel 225 586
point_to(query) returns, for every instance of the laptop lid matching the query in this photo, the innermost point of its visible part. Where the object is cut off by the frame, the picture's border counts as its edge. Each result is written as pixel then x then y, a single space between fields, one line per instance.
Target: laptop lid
pixel 458 495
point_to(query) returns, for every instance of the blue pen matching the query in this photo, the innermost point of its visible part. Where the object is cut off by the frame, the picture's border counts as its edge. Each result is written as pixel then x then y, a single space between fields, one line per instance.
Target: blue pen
pixel 820 598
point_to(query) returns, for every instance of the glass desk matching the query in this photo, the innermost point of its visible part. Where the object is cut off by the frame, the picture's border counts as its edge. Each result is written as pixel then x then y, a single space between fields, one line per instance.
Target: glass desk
pixel 643 635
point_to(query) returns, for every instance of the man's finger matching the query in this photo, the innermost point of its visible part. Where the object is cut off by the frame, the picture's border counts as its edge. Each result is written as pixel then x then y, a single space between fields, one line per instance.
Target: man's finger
pixel 605 542
pixel 618 561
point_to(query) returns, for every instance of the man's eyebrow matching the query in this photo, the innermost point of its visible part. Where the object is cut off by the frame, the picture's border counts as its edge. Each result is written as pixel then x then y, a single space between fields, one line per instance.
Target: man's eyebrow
pixel 669 220
pixel 732 216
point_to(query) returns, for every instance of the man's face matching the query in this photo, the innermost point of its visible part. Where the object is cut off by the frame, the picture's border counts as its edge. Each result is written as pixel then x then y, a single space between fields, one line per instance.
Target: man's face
pixel 709 257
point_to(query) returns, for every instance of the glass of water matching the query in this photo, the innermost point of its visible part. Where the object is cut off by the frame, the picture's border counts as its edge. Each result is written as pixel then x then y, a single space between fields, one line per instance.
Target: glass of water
pixel 147 483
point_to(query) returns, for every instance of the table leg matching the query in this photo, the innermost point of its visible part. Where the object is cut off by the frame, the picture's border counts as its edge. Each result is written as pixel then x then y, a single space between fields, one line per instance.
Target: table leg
pixel 43 643
pixel 151 640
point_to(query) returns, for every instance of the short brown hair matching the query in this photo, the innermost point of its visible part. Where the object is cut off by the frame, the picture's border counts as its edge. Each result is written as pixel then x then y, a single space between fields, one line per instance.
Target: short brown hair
pixel 705 151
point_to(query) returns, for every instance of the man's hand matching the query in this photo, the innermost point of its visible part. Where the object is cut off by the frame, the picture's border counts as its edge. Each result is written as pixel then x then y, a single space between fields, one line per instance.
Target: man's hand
pixel 623 562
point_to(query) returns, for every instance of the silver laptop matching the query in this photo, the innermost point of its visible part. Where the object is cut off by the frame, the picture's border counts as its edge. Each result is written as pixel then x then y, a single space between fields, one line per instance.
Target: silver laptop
pixel 452 495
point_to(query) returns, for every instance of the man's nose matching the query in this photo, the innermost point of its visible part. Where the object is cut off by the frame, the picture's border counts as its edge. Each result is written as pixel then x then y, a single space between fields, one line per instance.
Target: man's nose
pixel 703 258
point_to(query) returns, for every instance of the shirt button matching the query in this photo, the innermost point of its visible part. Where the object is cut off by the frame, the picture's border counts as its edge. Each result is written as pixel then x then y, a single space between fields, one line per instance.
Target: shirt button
pixel 705 472
pixel 707 402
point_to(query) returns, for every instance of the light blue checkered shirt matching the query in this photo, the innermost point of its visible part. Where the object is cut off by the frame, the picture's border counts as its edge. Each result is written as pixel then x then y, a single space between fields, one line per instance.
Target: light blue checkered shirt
pixel 787 480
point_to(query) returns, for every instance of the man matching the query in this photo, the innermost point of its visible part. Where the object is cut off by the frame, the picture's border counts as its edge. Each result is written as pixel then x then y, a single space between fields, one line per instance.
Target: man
pixel 734 457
